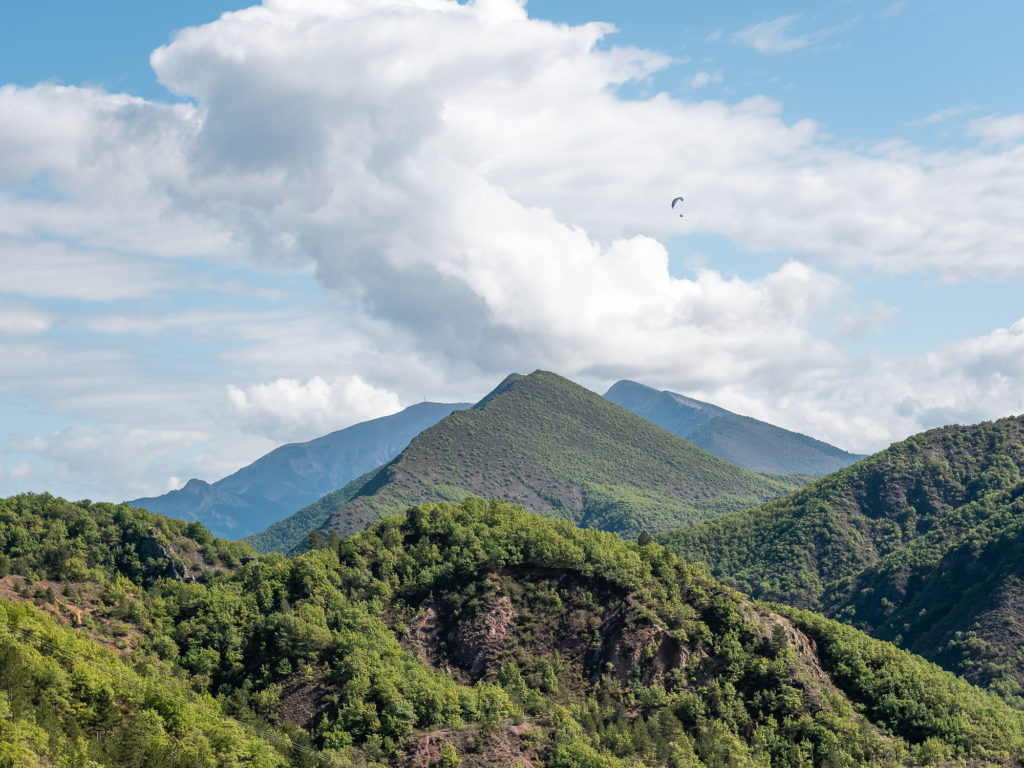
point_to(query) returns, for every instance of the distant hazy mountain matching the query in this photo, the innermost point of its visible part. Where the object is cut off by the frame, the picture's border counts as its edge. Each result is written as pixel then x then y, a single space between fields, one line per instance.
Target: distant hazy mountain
pixel 554 447
pixel 292 476
pixel 752 444
pixel 921 544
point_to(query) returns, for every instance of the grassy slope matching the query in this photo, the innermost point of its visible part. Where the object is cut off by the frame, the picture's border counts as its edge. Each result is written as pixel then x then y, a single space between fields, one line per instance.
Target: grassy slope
pixel 553 446
pixel 919 543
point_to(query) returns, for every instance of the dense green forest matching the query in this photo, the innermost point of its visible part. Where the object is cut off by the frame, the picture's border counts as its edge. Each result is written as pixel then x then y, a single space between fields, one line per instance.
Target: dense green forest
pixel 919 544
pixel 555 448
pixel 65 700
pixel 476 634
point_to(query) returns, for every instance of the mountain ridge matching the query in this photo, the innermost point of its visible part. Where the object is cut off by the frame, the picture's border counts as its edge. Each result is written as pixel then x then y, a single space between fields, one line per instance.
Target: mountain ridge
pixel 743 440
pixel 293 475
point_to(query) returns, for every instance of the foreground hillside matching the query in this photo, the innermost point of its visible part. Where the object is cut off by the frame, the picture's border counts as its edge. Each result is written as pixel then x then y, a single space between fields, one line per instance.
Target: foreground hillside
pixel 294 475
pixel 922 544
pixel 65 700
pixel 554 447
pixel 745 441
pixel 473 635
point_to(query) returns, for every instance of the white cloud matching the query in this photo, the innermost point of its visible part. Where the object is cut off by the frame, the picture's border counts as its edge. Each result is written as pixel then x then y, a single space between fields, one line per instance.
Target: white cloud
pixel 290 409
pixel 51 269
pixel 20 319
pixel 772 36
pixel 998 130
pixel 777 36
pixel 106 165
pixel 939 116
pixel 94 458
pixel 341 135
pixel 702 79
pixel 894 9
pixel 863 405
pixel 858 323
pixel 401 128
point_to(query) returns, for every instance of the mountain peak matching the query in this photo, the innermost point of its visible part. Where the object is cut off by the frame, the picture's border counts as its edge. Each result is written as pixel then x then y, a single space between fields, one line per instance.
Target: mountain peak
pixel 553 446
pixel 538 383
pixel 506 384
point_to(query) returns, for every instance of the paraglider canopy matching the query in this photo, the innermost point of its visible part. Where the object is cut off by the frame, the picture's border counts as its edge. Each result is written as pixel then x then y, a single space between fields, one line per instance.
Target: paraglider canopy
pixel 677 200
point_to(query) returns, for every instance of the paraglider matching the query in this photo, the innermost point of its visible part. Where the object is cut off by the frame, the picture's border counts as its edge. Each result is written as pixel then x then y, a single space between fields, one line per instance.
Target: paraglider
pixel 677 200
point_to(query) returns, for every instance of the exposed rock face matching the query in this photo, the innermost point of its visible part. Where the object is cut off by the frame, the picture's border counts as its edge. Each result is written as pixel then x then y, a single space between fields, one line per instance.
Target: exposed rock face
pixel 512 746
pixel 632 644
pixel 152 548
pixel 479 643
pixel 550 613
pixel 424 634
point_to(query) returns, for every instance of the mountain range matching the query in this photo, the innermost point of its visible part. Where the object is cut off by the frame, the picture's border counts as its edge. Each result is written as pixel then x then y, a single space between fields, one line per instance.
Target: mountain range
pixel 290 477
pixel 296 475
pixel 920 544
pixel 420 626
pixel 554 447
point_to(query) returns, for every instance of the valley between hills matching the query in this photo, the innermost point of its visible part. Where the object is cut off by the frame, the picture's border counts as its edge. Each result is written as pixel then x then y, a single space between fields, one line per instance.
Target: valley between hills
pixel 546 578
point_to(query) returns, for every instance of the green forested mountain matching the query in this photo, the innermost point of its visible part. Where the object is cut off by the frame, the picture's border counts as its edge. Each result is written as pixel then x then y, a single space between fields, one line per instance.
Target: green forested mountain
pixel 473 635
pixel 745 441
pixel 920 544
pixel 294 475
pixel 552 446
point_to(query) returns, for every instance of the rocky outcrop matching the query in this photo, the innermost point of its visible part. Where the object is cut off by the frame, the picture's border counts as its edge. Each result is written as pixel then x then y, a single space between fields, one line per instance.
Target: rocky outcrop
pixel 151 548
pixel 479 643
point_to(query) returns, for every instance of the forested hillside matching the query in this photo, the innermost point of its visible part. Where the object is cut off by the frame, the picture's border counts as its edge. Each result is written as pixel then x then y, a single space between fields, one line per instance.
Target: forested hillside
pixel 554 447
pixel 65 700
pixel 474 635
pixel 920 544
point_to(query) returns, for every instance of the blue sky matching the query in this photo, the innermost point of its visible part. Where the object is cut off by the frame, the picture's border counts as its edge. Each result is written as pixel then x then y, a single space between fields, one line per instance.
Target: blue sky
pixel 311 214
pixel 878 70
